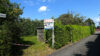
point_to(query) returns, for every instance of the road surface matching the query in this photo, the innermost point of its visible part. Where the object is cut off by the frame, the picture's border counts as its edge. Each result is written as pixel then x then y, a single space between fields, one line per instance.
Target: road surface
pixel 89 46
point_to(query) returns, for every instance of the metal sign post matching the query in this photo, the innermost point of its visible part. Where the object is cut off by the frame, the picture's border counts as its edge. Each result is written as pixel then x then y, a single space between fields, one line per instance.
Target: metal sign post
pixel 49 24
pixel 2 15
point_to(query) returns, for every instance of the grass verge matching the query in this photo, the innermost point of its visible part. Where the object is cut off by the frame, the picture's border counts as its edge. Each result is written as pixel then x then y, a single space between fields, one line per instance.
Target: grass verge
pixel 36 49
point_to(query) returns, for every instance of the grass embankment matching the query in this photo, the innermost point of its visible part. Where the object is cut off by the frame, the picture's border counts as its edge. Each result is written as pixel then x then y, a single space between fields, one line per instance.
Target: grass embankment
pixel 36 49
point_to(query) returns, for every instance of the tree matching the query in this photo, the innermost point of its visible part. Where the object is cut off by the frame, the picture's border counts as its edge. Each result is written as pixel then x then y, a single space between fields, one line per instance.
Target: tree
pixel 9 29
pixel 29 27
pixel 78 20
pixel 70 18
pixel 98 27
pixel 89 22
pixel 66 19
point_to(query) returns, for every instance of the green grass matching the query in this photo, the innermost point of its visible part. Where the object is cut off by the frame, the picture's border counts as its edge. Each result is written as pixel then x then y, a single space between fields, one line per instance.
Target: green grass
pixel 36 49
pixel 32 39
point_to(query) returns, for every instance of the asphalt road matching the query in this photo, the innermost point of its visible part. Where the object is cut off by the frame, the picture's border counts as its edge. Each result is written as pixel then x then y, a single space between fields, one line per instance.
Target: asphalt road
pixel 89 46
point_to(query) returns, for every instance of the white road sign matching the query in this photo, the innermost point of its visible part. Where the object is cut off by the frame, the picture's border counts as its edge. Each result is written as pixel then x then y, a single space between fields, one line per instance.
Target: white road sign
pixel 48 23
pixel 2 15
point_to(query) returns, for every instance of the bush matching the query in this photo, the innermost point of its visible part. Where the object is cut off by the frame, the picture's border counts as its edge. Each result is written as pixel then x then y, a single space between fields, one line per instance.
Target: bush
pixel 92 28
pixel 61 38
pixel 79 32
pixel 62 35
pixel 67 33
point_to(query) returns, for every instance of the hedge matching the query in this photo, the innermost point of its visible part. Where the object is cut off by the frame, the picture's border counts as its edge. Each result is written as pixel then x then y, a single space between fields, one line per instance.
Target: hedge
pixel 67 33
pixel 79 32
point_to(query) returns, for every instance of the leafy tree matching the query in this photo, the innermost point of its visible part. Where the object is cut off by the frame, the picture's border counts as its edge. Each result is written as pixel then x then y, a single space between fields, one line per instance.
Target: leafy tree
pixel 29 27
pixel 78 20
pixel 89 22
pixel 66 18
pixel 98 27
pixel 70 18
pixel 9 29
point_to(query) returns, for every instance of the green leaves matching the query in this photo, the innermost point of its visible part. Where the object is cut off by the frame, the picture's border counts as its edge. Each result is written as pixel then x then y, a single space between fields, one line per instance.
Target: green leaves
pixel 9 29
pixel 70 18
pixel 67 33
pixel 29 27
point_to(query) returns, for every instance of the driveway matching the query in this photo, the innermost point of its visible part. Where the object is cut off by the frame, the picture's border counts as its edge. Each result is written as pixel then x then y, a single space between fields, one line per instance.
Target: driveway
pixel 89 46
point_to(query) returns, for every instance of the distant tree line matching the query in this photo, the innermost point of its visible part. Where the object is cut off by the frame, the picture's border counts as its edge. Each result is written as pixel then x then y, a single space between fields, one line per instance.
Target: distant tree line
pixel 98 27
pixel 70 18
pixel 29 27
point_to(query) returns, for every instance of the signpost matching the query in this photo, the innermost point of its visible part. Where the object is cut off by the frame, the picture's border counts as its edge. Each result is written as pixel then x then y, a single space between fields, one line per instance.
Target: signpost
pixel 2 15
pixel 49 24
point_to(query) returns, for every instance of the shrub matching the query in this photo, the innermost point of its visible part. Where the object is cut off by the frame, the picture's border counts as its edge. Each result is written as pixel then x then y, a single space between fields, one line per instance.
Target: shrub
pixel 92 28
pixel 62 36
pixel 79 32
pixel 67 33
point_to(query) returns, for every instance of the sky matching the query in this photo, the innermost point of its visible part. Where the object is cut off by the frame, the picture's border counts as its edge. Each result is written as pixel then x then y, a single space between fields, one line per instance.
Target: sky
pixel 45 9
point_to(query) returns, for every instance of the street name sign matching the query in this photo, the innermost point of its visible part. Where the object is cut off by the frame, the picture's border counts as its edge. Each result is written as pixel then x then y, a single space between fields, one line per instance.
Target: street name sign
pixel 2 15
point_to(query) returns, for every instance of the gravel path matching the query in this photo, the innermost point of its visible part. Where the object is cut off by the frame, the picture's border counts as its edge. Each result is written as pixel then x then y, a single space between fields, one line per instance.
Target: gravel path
pixel 89 46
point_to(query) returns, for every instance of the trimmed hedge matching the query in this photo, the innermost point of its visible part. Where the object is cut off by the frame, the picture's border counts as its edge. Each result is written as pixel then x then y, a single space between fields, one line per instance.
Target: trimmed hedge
pixel 67 33
pixel 79 32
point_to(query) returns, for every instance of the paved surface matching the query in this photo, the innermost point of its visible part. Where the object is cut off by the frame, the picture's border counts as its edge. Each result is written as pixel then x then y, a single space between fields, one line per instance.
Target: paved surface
pixel 89 46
